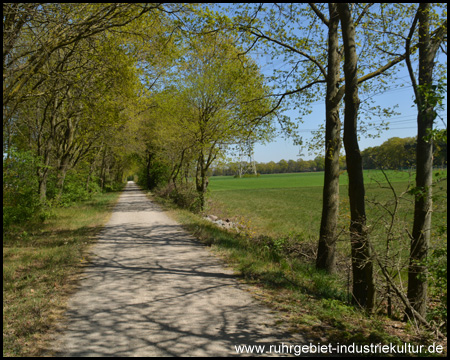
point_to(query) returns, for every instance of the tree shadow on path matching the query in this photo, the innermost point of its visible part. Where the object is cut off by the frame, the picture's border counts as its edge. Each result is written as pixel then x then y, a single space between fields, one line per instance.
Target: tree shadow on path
pixel 152 290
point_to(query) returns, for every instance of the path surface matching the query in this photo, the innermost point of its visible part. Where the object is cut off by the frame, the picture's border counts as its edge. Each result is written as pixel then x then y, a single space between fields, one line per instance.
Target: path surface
pixel 152 290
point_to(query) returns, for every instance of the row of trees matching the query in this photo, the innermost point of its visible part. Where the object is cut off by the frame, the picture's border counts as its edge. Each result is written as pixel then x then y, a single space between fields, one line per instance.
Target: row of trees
pixel 212 99
pixel 71 88
pixel 272 167
pixel 400 153
pixel 395 154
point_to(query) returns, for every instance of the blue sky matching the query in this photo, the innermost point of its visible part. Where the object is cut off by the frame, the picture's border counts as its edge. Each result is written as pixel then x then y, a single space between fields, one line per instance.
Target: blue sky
pixel 401 125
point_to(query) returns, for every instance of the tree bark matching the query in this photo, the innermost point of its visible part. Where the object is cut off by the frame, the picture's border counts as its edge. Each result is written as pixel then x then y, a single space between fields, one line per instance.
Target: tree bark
pixel 201 180
pixel 42 173
pixel 66 149
pixel 417 271
pixel 103 170
pixel 150 180
pixel 362 265
pixel 330 206
pixel 61 176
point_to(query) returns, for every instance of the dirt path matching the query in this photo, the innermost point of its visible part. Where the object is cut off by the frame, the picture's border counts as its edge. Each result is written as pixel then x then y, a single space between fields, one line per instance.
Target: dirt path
pixel 152 290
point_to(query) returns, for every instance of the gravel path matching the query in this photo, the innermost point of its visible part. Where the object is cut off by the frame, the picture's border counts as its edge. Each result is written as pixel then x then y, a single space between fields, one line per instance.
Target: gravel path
pixel 152 290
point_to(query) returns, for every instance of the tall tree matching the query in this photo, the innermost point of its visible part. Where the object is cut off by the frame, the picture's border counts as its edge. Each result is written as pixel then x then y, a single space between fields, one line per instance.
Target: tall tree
pixel 218 101
pixel 286 31
pixel 362 266
pixel 330 204
pixel 426 98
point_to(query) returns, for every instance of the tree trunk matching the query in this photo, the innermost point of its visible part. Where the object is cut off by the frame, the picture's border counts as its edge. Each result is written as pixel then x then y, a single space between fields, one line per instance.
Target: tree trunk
pixel 44 147
pixel 150 181
pixel 201 181
pixel 417 271
pixel 66 149
pixel 103 170
pixel 64 166
pixel 362 266
pixel 330 206
pixel 42 175
pixel 92 168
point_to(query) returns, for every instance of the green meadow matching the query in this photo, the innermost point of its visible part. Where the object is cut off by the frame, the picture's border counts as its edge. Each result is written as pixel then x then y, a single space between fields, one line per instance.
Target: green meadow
pixel 298 180
pixel 285 204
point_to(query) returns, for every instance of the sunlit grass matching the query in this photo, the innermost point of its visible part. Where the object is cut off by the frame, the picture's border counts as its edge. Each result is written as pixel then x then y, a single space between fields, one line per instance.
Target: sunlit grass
pixel 296 180
pixel 40 261
pixel 284 211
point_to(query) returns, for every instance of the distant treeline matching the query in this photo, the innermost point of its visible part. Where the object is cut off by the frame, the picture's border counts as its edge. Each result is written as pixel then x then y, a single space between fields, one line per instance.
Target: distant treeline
pixel 283 166
pixel 399 153
pixel 395 153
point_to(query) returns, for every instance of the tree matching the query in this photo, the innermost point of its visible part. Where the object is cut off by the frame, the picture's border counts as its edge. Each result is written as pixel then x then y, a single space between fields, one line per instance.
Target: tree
pixel 283 166
pixel 80 103
pixel 70 85
pixel 362 266
pixel 224 98
pixel 330 205
pixel 213 100
pixel 306 58
pixel 396 153
pixel 427 97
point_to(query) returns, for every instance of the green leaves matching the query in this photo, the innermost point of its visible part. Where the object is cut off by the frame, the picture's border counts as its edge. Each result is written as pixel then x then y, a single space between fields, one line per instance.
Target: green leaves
pixel 215 98
pixel 20 199
pixel 431 95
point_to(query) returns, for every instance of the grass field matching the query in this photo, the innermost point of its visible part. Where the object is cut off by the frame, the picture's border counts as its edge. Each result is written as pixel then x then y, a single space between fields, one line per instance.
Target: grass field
pixel 277 204
pixel 282 204
pixel 290 205
pixel 296 180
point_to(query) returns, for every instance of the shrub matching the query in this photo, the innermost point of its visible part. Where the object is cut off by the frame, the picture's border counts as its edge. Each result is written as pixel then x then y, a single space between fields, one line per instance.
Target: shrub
pixel 113 187
pixel 247 176
pixel 20 184
pixel 74 189
pixel 183 195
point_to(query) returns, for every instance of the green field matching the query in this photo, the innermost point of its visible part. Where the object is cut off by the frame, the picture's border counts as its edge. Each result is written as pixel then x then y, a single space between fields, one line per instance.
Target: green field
pixel 283 204
pixel 297 180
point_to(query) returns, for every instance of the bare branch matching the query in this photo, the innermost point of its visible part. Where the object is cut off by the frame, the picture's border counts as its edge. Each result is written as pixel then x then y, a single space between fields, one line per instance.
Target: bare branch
pixel 319 14
pixel 258 33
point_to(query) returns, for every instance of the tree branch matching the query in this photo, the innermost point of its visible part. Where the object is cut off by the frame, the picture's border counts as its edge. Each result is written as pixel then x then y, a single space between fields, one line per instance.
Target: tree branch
pixel 289 47
pixel 319 14
pixel 402 296
pixel 408 56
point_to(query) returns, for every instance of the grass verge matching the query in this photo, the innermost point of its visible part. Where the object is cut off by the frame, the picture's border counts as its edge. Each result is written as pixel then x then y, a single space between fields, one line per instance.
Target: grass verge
pixel 41 263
